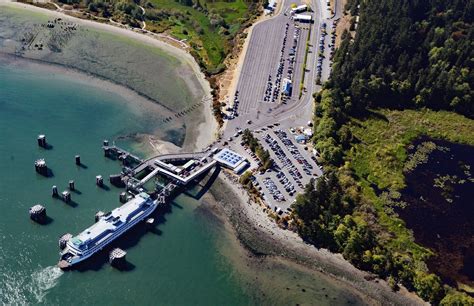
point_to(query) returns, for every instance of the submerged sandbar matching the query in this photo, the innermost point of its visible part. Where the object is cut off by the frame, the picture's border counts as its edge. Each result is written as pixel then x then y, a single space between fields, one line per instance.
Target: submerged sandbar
pixel 161 73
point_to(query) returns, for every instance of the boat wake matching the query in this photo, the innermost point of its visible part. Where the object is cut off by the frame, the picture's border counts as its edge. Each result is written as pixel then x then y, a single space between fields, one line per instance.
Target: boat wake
pixel 21 289
pixel 44 280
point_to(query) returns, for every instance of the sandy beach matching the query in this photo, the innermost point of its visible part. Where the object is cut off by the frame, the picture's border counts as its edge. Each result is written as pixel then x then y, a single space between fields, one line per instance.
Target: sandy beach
pixel 257 233
pixel 202 132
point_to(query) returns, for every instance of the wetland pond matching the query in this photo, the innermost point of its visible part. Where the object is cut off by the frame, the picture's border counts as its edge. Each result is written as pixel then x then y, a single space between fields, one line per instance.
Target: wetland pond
pixel 440 210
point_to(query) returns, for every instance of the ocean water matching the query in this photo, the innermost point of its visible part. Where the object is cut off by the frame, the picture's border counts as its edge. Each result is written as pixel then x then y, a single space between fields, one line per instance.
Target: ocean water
pixel 189 258
pixel 175 264
pixel 154 73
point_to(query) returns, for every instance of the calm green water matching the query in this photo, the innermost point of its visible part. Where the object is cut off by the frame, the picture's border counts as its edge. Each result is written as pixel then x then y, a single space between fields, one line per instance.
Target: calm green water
pixel 177 264
pixel 190 258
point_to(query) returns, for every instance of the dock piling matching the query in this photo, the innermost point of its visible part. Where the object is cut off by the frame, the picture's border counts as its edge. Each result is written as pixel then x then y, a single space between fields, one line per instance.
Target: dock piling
pixel 71 185
pixel 42 141
pixel 54 191
pixel 38 213
pixel 78 160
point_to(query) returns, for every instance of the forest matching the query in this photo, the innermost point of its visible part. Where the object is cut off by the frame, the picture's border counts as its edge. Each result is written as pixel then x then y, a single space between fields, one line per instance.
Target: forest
pixel 409 67
pixel 408 54
pixel 405 55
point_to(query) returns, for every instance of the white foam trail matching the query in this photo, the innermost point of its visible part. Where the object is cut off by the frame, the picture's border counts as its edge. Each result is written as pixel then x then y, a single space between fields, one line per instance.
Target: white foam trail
pixel 43 280
pixel 20 289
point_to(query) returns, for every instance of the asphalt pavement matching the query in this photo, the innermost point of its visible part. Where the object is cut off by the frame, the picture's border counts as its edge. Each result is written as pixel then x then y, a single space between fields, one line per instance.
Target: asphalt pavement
pixel 268 52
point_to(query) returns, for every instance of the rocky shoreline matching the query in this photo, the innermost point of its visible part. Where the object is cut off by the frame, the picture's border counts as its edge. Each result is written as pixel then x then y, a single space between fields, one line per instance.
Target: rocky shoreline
pixel 264 240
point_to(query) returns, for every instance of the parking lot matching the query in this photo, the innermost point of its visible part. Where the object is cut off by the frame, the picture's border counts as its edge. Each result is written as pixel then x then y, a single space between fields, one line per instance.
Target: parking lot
pixel 275 52
pixel 293 166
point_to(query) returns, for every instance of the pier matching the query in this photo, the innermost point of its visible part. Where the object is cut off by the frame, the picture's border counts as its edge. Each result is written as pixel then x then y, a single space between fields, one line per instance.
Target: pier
pixel 178 168
pixel 116 152
pixel 149 184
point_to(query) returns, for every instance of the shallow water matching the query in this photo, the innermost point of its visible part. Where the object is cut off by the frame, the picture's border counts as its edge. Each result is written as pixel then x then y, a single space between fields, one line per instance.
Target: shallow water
pixel 179 257
pixel 147 70
pixel 188 259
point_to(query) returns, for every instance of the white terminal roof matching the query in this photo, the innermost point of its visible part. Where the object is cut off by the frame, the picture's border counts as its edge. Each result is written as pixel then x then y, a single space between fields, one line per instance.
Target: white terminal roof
pixel 241 167
pixel 229 158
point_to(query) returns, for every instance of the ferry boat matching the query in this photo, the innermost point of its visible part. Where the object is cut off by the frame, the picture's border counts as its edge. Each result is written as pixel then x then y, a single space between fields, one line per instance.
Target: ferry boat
pixel 108 228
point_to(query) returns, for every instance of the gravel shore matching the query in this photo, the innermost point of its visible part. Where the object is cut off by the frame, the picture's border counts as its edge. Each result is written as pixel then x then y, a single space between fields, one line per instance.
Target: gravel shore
pixel 256 232
pixel 263 238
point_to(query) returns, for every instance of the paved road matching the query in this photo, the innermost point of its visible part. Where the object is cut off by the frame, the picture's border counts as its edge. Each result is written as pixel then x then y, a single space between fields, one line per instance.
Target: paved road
pixel 261 61
pixel 339 9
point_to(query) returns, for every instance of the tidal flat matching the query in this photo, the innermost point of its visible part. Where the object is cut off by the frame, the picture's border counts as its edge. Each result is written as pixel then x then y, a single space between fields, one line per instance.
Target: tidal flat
pixel 155 74
pixel 186 259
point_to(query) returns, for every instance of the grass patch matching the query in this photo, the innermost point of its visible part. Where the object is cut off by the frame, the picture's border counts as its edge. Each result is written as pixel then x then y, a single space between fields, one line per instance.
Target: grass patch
pixel 210 27
pixel 209 30
pixel 379 156
pixel 194 26
pixel 306 51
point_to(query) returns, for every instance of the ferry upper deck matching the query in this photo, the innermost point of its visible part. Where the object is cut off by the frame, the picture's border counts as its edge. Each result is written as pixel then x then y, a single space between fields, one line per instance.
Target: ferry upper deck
pixel 108 224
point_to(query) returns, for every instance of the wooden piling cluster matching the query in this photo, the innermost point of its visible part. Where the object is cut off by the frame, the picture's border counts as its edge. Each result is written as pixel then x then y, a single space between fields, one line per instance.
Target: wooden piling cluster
pixel 63 240
pixel 99 180
pixel 98 215
pixel 66 196
pixel 117 258
pixel 41 167
pixel 38 213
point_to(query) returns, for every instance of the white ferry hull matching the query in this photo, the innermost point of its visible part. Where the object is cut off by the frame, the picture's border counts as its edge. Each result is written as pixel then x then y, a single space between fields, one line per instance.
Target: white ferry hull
pixel 74 260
